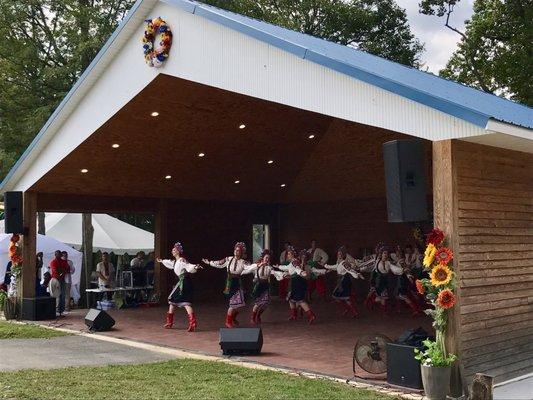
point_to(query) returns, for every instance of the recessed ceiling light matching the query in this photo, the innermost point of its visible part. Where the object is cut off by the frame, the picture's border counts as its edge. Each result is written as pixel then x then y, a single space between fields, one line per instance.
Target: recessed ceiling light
pixel 154 114
pixel 242 126
pixel 201 155
pixel 311 136
pixel 84 170
pixel 168 177
pixel 283 185
pixel 237 181
pixel 115 146
pixel 270 162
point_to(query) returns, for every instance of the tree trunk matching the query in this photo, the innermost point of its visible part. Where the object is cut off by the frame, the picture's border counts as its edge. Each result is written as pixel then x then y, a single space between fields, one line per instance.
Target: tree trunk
pixel 41 227
pixel 87 247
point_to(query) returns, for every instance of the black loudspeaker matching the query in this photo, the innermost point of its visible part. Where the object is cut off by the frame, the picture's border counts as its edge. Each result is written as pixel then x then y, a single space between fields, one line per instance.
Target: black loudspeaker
pixel 241 340
pixel 402 367
pixel 405 180
pixel 13 212
pixel 99 320
pixel 38 308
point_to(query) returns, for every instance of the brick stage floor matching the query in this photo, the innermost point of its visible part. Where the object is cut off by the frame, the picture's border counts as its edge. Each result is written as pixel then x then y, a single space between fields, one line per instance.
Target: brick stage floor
pixel 325 347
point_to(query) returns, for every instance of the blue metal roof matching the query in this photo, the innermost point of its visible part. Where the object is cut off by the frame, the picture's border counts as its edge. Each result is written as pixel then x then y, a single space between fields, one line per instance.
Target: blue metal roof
pixel 450 97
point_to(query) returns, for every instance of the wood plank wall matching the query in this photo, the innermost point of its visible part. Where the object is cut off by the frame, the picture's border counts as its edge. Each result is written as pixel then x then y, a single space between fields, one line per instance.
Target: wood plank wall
pixel 495 243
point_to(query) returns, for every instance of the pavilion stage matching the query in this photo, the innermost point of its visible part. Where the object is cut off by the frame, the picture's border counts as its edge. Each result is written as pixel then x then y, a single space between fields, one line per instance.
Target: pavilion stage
pixel 326 347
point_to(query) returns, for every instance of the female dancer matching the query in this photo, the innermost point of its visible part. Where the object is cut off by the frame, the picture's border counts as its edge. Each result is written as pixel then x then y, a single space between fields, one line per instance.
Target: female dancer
pixel 236 266
pixel 342 293
pixel 298 284
pixel 261 291
pixel 181 295
pixel 379 282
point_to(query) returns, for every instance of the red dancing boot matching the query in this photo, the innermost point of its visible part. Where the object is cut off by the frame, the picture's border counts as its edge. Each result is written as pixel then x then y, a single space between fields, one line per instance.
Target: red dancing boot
pixel 310 317
pixel 370 300
pixel 343 307
pixel 258 319
pixel 294 314
pixel 229 321
pixel 351 310
pixel 253 318
pixel 192 323
pixel 170 321
pixel 301 312
pixel 235 322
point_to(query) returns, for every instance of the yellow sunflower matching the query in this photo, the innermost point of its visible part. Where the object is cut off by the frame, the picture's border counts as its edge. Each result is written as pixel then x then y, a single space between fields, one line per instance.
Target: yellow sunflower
pixel 440 275
pixel 429 255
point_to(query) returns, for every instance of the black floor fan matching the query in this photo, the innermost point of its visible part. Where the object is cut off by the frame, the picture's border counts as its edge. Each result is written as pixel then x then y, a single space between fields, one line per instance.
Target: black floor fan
pixel 370 353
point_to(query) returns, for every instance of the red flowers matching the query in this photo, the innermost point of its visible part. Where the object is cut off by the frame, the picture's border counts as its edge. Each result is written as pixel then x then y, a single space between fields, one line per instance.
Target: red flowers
pixel 443 256
pixel 15 238
pixel 419 286
pixel 435 237
pixel 446 299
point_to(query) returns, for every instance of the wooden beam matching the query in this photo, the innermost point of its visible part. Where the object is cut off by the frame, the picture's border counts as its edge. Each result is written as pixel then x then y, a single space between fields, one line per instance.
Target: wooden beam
pixel 161 242
pixel 29 245
pixel 445 210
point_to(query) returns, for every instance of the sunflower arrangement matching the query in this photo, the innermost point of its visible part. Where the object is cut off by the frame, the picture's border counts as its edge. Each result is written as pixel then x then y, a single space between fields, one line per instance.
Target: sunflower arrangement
pixel 438 289
pixel 16 263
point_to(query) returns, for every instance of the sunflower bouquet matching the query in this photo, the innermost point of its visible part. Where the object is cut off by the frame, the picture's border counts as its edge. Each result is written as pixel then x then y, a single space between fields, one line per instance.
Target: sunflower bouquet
pixel 439 288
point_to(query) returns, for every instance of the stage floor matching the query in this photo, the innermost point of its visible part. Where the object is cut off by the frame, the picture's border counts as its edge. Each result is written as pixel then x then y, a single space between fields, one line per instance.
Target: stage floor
pixel 326 347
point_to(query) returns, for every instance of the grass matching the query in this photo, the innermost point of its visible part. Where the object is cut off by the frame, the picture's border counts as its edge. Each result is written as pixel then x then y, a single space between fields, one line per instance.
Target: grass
pixel 10 330
pixel 176 379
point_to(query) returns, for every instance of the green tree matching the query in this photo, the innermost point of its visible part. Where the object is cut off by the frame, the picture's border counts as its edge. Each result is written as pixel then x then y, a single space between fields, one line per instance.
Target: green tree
pixel 45 46
pixel 379 27
pixel 495 52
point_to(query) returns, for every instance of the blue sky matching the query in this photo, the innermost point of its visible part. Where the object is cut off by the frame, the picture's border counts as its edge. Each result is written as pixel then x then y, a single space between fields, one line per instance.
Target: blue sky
pixel 440 41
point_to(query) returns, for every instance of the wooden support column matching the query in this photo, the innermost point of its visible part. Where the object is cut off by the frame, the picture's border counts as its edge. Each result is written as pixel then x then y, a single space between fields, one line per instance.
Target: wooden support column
pixel 161 242
pixel 445 215
pixel 29 244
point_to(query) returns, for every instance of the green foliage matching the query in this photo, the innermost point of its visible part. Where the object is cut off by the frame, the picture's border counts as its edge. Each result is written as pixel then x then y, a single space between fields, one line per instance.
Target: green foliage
pixel 11 330
pixel 45 46
pixel 3 299
pixel 434 355
pixel 377 26
pixel 495 52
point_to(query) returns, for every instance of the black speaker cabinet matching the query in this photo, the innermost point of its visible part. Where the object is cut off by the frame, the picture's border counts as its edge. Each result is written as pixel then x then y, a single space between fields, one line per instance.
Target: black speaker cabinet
pixel 13 212
pixel 241 341
pixel 405 180
pixel 99 320
pixel 38 308
pixel 402 367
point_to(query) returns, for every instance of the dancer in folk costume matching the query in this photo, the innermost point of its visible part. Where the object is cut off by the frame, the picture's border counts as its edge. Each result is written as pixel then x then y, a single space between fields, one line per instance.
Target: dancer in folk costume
pixel 318 283
pixel 346 268
pixel 298 284
pixel 181 295
pixel 236 266
pixel 262 270
pixel 283 286
pixel 405 290
pixel 379 281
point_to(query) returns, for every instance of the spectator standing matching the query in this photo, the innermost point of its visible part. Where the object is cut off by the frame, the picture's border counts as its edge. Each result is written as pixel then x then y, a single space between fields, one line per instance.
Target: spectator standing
pixel 68 280
pixel 58 269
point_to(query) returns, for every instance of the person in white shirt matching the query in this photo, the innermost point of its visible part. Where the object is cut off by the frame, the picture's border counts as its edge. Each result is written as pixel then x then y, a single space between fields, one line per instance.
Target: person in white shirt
pixel 236 266
pixel 138 261
pixel 106 273
pixel 68 280
pixel 318 255
pixel 182 294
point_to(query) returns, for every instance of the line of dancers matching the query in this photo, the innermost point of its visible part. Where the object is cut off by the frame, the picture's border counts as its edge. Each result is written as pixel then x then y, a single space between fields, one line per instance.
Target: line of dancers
pixel 392 274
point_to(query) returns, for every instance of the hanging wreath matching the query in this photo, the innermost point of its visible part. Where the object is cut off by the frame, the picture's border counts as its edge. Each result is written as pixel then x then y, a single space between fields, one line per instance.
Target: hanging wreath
pixel 156 29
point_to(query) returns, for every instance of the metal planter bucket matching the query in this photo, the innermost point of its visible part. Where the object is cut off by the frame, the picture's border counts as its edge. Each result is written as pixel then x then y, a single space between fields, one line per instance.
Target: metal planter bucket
pixel 436 381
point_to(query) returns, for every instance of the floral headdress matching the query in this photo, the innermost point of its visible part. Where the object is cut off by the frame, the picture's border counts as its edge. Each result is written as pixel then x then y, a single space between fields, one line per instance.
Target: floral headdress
pixel 241 246
pixel 179 247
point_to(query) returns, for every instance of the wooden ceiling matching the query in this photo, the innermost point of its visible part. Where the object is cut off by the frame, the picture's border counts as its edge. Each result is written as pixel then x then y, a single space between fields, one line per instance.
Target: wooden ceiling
pixel 343 161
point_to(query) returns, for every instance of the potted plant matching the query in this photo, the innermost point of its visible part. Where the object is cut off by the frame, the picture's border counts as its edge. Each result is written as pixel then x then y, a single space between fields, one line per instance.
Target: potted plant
pixel 436 369
pixel 11 300
pixel 438 289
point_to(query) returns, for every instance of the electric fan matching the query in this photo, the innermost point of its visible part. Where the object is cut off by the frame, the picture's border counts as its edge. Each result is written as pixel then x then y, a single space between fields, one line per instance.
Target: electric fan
pixel 370 353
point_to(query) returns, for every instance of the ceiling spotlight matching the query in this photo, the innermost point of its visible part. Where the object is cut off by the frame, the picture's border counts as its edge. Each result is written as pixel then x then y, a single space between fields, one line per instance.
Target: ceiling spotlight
pixel 242 126
pixel 201 155
pixel 115 146
pixel 270 162
pixel 84 170
pixel 154 114
pixel 283 185
pixel 237 181
pixel 311 136
pixel 168 176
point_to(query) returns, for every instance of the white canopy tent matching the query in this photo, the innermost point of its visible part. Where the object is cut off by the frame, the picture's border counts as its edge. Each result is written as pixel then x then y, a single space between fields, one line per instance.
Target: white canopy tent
pixel 47 245
pixel 110 234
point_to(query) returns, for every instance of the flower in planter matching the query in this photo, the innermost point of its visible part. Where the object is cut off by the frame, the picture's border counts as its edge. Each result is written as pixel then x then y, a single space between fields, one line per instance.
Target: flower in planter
pixel 443 256
pixel 435 237
pixel 440 275
pixel 446 299
pixel 429 255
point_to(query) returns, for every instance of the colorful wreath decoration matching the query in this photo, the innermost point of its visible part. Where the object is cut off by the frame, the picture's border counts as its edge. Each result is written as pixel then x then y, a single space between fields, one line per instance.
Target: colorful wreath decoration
pixel 157 28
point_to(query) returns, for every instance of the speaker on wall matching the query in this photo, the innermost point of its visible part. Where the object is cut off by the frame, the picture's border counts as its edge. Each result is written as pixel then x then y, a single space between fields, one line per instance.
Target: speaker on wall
pixel 99 320
pixel 13 212
pixel 241 340
pixel 405 180
pixel 402 367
